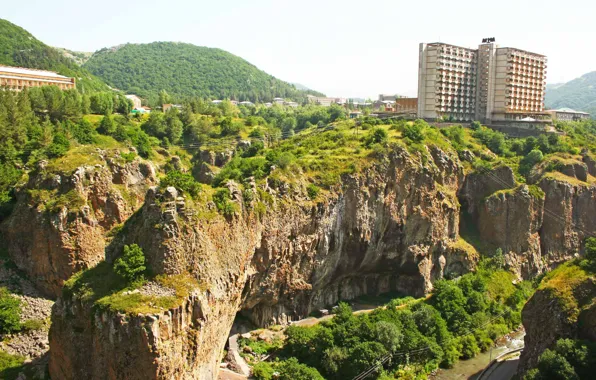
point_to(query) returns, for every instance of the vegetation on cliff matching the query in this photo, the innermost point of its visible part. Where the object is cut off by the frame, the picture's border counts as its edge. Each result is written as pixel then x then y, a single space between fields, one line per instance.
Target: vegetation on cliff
pixel 184 70
pixel 120 287
pixel 572 286
pixel 460 319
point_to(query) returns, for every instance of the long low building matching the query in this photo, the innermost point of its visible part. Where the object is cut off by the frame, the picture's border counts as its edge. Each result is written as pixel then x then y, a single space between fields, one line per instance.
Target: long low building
pixel 567 114
pixel 17 78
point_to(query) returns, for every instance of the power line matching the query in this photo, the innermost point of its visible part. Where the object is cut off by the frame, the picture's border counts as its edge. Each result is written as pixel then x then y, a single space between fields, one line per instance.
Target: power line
pixel 385 358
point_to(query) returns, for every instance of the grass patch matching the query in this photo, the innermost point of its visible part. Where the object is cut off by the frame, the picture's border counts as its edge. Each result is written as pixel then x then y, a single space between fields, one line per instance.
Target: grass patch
pixel 259 347
pixel 562 282
pixel 558 176
pixel 35 324
pixel 536 192
pixel 106 290
pixel 72 200
pixel 500 285
pixel 462 244
pixel 85 155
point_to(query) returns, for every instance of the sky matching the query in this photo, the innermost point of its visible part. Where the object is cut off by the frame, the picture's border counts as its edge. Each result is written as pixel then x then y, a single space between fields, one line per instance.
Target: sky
pixel 341 48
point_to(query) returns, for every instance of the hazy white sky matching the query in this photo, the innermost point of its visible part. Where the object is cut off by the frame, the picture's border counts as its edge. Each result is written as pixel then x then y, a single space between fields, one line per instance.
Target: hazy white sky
pixel 342 48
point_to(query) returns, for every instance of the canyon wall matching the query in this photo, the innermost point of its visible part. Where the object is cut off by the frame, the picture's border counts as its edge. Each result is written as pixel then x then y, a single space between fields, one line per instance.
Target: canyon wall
pixel 393 227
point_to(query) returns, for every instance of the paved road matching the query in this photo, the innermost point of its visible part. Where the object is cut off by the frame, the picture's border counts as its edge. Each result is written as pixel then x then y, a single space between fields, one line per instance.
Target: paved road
pixel 504 370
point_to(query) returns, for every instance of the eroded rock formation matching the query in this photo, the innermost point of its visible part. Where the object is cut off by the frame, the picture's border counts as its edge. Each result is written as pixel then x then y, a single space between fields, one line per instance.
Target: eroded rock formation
pixel 60 222
pixel 392 227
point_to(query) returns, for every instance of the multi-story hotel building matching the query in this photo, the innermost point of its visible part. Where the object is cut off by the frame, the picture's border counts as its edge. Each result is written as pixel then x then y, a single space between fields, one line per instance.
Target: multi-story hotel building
pixel 489 84
pixel 17 78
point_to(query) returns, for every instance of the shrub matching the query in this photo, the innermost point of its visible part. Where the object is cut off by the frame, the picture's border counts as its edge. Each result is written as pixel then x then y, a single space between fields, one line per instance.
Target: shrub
pixel 469 347
pixel 59 146
pixel 182 181
pixel 312 191
pixel 128 157
pixel 221 198
pixel 10 365
pixel 107 126
pixel 263 371
pixel 377 136
pixel 10 312
pixel 285 159
pixel 34 324
pixel 414 132
pixel 131 265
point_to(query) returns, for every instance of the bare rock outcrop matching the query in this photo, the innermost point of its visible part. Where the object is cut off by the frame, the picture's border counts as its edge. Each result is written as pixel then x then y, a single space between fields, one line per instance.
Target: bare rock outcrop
pixel 60 221
pixel 511 220
pixel 569 218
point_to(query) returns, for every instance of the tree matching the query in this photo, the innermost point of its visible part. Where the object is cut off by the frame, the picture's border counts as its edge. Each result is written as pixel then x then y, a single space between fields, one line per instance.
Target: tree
pixel 388 335
pixel 164 98
pixel 131 266
pixel 527 163
pixel 553 366
pixel 106 125
pixel 101 103
pixel 291 369
pixel 469 346
pixel 333 360
pixel 364 355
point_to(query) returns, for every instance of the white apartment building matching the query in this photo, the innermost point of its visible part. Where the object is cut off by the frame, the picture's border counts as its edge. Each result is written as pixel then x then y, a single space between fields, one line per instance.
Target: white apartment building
pixel 489 84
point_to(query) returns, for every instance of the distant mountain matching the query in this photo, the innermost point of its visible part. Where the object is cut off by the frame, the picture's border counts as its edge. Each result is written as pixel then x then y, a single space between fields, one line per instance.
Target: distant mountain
pixel 20 48
pixel 579 94
pixel 185 70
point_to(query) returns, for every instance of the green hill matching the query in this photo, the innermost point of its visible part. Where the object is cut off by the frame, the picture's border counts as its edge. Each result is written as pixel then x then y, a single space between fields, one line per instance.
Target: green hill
pixel 20 48
pixel 185 70
pixel 579 94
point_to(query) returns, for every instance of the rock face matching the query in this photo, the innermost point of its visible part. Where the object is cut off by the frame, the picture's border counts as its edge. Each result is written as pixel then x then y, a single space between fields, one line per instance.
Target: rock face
pixel 511 220
pixel 562 308
pixel 536 226
pixel 569 218
pixel 395 226
pixel 387 230
pixel 60 222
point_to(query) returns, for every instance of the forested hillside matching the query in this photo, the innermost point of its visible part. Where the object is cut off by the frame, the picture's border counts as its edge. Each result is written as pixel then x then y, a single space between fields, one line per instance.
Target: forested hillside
pixel 579 94
pixel 19 48
pixel 184 70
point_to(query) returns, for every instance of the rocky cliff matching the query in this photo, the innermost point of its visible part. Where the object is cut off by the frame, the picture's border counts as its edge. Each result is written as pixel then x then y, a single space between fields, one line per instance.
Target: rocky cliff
pixel 393 228
pixel 563 307
pixel 537 226
pixel 62 217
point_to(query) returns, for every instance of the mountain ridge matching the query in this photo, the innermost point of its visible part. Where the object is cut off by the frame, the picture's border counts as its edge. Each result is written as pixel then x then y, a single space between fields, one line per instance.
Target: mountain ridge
pixel 185 70
pixel 579 94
